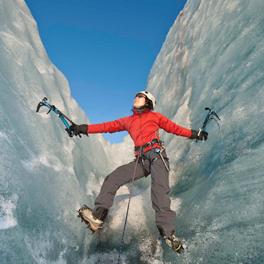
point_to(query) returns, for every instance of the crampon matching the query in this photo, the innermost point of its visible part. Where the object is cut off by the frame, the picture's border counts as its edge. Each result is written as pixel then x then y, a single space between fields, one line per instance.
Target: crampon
pixel 175 244
pixel 94 224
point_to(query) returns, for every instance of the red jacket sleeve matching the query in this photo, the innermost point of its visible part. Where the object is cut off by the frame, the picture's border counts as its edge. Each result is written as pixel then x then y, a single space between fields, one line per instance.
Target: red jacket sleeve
pixel 110 127
pixel 171 127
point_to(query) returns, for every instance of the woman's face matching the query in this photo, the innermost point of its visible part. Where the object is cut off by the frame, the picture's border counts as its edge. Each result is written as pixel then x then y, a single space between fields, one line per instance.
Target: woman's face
pixel 139 100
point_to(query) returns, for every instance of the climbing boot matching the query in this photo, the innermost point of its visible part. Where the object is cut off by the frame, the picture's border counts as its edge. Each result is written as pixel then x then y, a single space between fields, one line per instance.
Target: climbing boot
pixel 174 243
pixel 93 223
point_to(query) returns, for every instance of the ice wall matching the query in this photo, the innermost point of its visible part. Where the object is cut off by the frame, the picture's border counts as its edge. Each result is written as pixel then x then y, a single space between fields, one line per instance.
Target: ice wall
pixel 44 175
pixel 213 56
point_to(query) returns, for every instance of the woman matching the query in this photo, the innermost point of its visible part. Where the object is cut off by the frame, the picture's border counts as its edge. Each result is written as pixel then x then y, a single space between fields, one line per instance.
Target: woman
pixel 143 126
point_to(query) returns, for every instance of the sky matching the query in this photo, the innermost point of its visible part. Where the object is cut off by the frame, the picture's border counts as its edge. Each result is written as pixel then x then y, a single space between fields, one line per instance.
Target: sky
pixel 105 49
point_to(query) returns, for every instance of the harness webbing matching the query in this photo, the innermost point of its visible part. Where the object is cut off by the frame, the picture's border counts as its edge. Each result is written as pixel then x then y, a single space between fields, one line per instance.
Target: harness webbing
pixel 152 142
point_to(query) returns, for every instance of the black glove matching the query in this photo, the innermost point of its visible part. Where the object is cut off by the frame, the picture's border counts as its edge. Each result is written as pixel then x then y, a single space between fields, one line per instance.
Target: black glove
pixel 199 135
pixel 77 130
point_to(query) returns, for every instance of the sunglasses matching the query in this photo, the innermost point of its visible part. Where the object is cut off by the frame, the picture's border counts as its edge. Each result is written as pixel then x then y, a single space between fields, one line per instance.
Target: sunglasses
pixel 140 96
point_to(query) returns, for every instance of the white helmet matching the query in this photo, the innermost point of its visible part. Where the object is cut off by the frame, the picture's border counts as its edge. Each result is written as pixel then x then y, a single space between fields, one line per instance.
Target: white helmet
pixel 150 97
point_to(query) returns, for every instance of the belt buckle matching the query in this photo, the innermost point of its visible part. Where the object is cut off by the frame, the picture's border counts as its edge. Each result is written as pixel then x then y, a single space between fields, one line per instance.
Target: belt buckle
pixel 157 150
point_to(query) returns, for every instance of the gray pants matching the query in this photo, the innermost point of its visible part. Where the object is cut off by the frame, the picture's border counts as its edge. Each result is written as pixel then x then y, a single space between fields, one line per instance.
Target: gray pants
pixel 150 163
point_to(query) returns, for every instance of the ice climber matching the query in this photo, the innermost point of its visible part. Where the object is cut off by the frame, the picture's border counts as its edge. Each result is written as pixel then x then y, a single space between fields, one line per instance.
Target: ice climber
pixel 143 126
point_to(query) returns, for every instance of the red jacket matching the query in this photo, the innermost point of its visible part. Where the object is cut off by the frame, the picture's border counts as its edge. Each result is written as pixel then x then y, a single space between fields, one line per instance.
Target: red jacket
pixel 142 127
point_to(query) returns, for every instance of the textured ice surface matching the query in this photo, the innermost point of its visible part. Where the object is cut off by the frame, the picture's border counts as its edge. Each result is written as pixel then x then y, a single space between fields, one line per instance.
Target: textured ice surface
pixel 212 56
pixel 43 173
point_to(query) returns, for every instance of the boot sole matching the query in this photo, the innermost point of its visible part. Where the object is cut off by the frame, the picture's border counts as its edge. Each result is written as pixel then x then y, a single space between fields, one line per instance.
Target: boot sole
pixel 94 227
pixel 179 249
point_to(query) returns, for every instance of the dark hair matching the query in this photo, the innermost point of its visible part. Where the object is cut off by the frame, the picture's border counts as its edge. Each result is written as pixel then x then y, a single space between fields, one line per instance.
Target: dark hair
pixel 149 104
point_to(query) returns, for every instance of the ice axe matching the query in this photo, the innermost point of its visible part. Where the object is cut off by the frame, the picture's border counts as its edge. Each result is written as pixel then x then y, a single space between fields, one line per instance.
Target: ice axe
pixel 65 120
pixel 211 115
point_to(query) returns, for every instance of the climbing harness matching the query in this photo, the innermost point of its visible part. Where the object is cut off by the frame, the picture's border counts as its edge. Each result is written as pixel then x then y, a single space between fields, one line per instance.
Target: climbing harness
pixel 148 144
pixel 159 151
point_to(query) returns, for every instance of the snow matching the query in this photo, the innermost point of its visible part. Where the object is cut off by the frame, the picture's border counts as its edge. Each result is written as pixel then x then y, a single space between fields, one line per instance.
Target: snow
pixel 212 56
pixel 7 218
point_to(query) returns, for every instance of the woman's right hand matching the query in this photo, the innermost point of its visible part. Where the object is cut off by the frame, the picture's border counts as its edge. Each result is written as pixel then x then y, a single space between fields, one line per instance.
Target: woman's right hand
pixel 77 130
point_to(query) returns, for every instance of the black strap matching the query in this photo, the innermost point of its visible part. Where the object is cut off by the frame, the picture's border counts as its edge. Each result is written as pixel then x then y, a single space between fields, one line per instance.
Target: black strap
pixel 152 142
